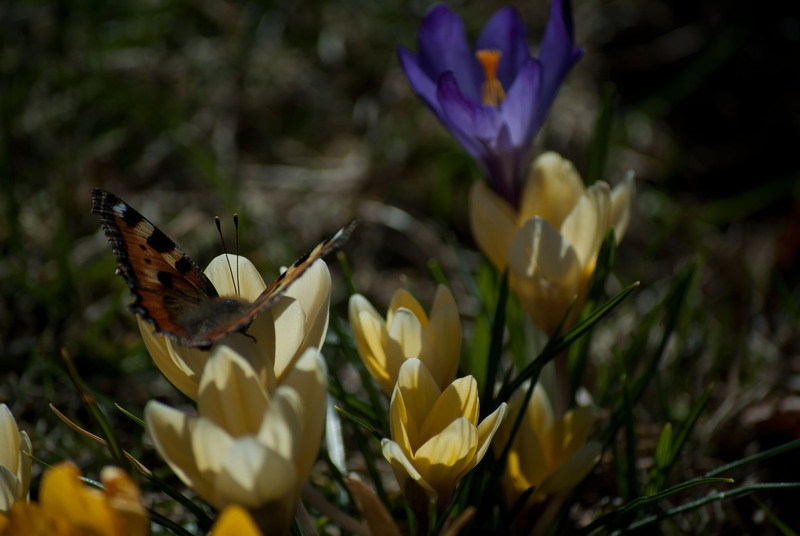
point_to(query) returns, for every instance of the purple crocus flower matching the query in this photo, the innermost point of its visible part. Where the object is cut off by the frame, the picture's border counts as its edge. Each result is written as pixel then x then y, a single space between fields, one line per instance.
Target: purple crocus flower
pixel 493 100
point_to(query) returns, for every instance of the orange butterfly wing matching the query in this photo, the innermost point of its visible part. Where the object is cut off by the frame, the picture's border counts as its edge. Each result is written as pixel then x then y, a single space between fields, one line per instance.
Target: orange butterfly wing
pixel 170 291
pixel 162 278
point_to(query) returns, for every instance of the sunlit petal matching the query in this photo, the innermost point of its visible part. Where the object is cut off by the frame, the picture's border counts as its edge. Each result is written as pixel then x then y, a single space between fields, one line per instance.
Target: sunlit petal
pixel 493 223
pixel 551 190
pixel 587 224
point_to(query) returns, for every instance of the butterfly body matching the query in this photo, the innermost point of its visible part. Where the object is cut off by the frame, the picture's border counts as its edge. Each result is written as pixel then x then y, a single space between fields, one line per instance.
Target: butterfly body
pixel 169 289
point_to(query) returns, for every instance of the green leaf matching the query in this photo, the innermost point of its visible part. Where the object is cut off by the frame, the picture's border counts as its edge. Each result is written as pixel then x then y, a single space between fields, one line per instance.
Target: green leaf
pixel 495 345
pixel 601 138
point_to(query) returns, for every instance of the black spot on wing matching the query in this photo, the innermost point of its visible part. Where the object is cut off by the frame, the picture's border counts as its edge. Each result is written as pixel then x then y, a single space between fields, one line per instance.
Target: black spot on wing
pixel 165 278
pixel 130 217
pixel 159 241
pixel 183 266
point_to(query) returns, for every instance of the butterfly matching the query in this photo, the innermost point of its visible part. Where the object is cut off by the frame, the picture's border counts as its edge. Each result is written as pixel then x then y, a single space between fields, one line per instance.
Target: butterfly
pixel 169 289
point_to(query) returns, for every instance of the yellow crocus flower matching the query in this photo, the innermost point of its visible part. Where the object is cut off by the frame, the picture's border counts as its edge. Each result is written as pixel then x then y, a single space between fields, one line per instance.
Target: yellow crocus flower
pixel 235 521
pixel 247 445
pixel 549 453
pixel 436 437
pixel 67 506
pixel 276 338
pixel 15 464
pixel 550 244
pixel 384 345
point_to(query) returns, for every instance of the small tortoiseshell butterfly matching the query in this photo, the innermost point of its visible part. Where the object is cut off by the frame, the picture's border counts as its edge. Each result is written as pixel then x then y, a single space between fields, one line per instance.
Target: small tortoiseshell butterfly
pixel 169 289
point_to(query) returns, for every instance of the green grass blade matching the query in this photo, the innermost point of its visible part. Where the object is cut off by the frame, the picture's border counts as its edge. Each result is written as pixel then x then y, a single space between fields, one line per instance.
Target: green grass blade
pixel 736 492
pixel 495 345
pixel 601 138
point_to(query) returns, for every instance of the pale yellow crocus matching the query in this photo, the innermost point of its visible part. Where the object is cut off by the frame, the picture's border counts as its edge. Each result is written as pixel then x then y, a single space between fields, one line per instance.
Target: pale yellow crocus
pixel 247 445
pixel 15 462
pixel 436 436
pixel 549 453
pixel 67 507
pixel 276 338
pixel 550 244
pixel 384 345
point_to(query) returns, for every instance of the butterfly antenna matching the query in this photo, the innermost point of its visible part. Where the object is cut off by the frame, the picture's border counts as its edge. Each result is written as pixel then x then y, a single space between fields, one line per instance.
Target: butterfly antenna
pixel 225 251
pixel 236 226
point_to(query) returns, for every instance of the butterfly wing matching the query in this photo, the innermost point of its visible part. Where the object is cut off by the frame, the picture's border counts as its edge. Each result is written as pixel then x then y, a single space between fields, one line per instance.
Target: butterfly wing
pixel 165 283
pixel 277 288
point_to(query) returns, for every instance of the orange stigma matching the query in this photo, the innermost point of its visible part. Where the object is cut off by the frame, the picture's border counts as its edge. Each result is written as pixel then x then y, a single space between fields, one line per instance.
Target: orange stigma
pixel 491 89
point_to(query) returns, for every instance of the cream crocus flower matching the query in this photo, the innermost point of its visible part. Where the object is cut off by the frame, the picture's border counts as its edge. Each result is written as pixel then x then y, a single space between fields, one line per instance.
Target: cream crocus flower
pixel 548 453
pixel 550 244
pixel 436 437
pixel 248 445
pixel 67 507
pixel 276 338
pixel 15 464
pixel 384 345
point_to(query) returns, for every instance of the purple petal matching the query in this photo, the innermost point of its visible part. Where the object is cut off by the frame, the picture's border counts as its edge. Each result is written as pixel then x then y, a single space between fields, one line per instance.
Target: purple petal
pixel 422 85
pixel 464 117
pixel 519 108
pixel 501 164
pixel 556 53
pixel 442 44
pixel 505 32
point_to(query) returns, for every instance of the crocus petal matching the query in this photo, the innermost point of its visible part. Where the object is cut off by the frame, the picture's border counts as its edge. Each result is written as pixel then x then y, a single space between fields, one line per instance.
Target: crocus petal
pixel 280 429
pixel 420 390
pixel 298 320
pixel 125 500
pixel 571 472
pixel 370 335
pixel 248 285
pixel 9 488
pixel 577 426
pixel 519 108
pixel 230 393
pixel 587 224
pixel 620 214
pixel 176 370
pixel 241 479
pixel 404 431
pixel 420 81
pixel 171 431
pixel 9 433
pixel 442 46
pixel 444 334
pixel 309 379
pixel 407 339
pixel 556 53
pixel 505 32
pixel 235 521
pixel 473 124
pixel 403 469
pixel 443 458
pixel 403 298
pixel 546 272
pixel 486 432
pixel 552 189
pixel 533 467
pixel 64 497
pixel 493 223
pixel 407 331
pixel 459 399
